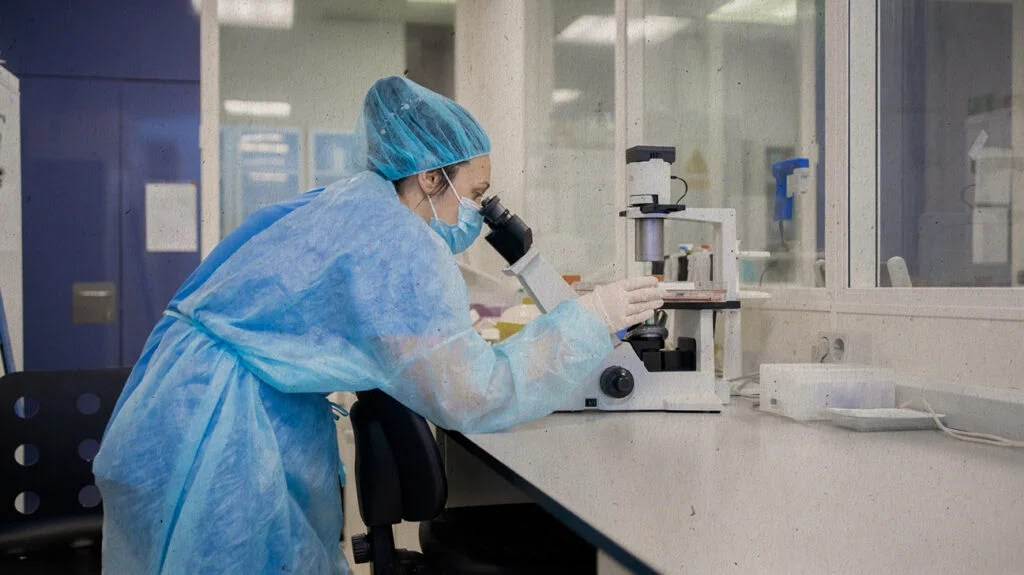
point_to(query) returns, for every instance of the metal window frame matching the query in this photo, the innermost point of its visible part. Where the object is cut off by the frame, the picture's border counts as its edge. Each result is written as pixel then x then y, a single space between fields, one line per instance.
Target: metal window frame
pixel 851 169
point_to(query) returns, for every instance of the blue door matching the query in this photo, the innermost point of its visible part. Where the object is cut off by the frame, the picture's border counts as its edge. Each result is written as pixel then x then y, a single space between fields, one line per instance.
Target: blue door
pixel 110 101
pixel 159 143
pixel 93 292
pixel 71 221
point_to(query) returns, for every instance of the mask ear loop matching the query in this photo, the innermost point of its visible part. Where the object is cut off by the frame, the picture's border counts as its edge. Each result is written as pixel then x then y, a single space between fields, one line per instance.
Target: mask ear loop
pixel 431 205
pixel 431 200
pixel 462 201
pixel 451 185
pixel 427 196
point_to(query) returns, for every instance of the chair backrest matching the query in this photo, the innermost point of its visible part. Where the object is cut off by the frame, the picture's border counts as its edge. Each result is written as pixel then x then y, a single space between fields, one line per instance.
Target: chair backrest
pixel 6 351
pixel 51 424
pixel 398 468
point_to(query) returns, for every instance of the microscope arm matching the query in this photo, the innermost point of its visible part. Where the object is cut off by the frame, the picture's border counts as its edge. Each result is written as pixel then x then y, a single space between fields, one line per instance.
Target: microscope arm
pixel 513 239
pixel 540 280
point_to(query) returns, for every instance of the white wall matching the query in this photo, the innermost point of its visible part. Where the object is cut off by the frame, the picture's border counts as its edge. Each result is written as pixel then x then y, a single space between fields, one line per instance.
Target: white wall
pixel 571 195
pixel 1017 247
pixel 494 92
pixel 10 212
pixel 931 351
pixel 779 336
pixel 553 164
pixel 946 350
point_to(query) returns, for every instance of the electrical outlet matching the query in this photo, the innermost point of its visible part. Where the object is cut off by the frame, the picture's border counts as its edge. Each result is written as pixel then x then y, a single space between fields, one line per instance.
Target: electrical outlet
pixel 842 347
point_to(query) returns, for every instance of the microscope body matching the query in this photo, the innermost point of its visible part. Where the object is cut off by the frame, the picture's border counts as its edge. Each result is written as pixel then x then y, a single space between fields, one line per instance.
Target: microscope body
pixel 666 364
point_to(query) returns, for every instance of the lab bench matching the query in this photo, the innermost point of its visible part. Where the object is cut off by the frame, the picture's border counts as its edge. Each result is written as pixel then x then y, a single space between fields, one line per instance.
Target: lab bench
pixel 743 492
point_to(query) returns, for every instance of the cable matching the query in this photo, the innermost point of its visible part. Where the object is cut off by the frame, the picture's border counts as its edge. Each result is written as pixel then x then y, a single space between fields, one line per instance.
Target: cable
pixel 971 436
pixel 686 188
pixel 768 266
pixel 738 383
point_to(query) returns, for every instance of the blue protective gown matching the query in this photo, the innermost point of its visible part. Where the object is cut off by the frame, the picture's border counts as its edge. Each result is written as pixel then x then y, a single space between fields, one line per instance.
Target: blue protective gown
pixel 221 456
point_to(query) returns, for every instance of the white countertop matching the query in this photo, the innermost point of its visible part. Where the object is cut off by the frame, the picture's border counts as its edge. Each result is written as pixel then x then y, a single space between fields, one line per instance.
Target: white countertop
pixel 744 492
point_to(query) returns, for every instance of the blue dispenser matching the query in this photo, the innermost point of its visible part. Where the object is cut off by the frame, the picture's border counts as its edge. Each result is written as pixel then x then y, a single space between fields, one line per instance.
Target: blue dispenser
pixel 783 194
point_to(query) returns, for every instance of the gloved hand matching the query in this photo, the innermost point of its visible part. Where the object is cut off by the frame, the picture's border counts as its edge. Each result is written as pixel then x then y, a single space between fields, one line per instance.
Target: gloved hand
pixel 625 302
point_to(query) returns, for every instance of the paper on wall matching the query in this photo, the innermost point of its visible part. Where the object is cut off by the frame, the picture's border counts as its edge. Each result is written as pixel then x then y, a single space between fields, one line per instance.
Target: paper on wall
pixel 171 218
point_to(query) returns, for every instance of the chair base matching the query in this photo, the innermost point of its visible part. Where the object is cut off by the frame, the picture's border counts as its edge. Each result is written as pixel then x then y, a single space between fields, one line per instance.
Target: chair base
pixel 81 561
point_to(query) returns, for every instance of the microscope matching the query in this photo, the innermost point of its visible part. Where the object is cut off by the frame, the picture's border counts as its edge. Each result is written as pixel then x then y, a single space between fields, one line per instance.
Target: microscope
pixel 647 370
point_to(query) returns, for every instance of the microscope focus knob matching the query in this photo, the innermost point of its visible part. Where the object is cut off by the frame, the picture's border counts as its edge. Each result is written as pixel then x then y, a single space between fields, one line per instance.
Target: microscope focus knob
pixel 617 382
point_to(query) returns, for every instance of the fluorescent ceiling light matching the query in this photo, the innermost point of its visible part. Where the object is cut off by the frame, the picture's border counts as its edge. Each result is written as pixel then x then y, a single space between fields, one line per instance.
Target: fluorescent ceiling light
pixel 268 177
pixel 565 95
pixel 595 29
pixel 253 13
pixel 275 149
pixel 262 137
pixel 776 12
pixel 589 29
pixel 259 109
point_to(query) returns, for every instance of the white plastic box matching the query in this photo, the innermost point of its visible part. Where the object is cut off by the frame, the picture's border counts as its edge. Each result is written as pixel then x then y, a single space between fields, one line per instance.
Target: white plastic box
pixel 803 391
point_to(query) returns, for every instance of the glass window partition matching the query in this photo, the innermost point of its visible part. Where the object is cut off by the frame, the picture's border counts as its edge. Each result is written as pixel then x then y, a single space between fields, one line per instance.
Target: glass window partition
pixel 570 172
pixel 292 79
pixel 949 76
pixel 737 86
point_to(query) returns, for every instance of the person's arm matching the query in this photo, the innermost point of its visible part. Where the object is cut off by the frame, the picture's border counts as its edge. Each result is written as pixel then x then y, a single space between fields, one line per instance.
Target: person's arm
pixel 351 295
pixel 413 318
pixel 445 371
pixel 462 383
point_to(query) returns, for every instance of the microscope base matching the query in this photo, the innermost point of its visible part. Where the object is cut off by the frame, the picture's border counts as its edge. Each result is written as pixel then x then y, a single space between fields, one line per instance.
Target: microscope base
pixel 651 391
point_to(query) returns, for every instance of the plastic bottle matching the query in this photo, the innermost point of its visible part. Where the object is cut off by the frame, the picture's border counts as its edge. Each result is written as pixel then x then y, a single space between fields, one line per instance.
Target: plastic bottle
pixel 700 267
pixel 682 263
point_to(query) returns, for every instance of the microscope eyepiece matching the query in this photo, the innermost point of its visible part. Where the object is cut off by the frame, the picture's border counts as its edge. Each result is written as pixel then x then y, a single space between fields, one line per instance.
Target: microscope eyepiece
pixel 494 213
pixel 509 234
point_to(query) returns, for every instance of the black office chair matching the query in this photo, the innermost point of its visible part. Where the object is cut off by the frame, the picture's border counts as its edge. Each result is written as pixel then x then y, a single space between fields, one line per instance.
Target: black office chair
pixel 399 476
pixel 51 423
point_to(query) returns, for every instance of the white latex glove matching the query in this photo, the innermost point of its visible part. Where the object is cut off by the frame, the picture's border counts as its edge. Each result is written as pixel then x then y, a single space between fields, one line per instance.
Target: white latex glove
pixel 625 302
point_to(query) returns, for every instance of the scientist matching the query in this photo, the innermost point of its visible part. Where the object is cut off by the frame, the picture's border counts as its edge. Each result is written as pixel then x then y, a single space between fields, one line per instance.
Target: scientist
pixel 221 455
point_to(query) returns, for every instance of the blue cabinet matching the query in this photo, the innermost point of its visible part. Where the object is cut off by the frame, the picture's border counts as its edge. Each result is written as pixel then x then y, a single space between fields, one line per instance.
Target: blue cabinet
pixel 159 143
pixel 70 216
pixel 110 102
pixel 125 39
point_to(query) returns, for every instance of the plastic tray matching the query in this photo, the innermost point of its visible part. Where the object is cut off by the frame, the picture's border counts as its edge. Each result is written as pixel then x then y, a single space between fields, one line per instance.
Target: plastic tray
pixel 882 419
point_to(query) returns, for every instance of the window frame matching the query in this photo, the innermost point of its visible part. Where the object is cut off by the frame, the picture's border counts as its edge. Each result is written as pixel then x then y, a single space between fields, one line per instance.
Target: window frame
pixel 209 128
pixel 861 292
pixel 630 106
pixel 851 183
pixel 851 170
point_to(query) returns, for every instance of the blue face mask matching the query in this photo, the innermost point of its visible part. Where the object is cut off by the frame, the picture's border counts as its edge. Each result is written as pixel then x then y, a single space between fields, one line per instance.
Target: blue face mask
pixel 462 234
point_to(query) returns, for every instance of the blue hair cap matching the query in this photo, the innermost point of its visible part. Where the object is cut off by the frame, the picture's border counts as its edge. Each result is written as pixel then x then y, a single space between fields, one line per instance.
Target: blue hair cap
pixel 406 129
